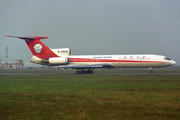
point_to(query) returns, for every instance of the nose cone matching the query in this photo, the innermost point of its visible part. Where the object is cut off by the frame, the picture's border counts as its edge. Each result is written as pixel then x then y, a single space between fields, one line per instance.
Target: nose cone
pixel 173 62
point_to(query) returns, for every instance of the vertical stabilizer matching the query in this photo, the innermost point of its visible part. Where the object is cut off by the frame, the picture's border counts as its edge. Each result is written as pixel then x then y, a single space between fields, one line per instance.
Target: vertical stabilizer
pixel 38 48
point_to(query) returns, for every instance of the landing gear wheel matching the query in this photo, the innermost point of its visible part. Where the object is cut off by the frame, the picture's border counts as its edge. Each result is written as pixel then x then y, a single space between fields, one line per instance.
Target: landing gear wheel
pixel 85 71
pixel 151 70
pixel 91 72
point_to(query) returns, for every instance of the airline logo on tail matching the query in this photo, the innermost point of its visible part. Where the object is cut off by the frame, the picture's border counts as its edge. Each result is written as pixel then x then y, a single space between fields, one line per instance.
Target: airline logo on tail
pixel 38 48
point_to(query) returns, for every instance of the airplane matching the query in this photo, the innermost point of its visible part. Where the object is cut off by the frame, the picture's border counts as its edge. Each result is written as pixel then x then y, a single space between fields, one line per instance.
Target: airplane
pixel 85 64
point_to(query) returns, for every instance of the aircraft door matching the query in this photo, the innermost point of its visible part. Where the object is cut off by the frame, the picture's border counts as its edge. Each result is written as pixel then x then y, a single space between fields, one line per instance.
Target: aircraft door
pixel 119 61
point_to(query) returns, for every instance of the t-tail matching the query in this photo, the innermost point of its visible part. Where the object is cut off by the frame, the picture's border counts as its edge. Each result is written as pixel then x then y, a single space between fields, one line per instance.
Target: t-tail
pixel 42 54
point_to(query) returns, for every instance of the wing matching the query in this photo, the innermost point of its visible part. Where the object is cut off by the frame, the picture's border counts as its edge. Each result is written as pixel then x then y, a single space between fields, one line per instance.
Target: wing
pixel 86 66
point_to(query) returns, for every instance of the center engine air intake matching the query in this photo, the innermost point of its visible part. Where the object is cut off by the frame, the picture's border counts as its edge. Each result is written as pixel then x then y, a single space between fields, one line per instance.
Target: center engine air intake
pixel 57 60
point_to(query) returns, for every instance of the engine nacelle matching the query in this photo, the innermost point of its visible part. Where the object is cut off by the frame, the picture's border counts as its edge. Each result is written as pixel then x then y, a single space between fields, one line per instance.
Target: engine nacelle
pixel 57 60
pixel 62 51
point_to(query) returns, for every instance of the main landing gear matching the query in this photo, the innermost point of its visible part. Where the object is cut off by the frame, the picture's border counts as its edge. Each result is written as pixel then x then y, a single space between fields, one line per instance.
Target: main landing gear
pixel 151 70
pixel 85 71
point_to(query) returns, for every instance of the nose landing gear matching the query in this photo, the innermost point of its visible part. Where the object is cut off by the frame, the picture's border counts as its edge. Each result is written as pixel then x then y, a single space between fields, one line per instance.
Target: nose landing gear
pixel 151 70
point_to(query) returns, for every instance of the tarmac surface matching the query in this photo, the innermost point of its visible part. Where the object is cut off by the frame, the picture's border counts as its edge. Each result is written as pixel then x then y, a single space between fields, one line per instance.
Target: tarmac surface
pixel 89 74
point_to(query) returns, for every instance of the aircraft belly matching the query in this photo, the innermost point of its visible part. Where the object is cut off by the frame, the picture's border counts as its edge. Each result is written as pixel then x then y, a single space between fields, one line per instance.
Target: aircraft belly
pixel 141 64
pixel 80 63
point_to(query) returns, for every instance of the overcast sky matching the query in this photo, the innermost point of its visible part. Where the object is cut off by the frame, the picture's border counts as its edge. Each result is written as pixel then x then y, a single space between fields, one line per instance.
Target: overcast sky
pixel 92 27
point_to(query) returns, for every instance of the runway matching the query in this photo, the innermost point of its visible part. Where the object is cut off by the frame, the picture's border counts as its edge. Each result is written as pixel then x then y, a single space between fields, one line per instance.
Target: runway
pixel 89 74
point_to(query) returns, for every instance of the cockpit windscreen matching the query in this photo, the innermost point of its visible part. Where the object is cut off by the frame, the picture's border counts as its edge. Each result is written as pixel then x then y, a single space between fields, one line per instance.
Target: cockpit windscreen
pixel 166 58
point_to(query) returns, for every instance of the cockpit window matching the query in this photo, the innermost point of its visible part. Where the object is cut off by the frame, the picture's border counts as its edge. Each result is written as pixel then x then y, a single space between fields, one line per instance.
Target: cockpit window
pixel 166 58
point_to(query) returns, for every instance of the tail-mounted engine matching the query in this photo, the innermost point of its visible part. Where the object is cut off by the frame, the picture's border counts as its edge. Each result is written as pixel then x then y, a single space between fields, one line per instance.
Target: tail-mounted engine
pixel 57 61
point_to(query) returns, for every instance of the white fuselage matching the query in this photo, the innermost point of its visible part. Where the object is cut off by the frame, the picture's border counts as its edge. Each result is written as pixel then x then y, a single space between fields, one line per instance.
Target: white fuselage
pixel 118 61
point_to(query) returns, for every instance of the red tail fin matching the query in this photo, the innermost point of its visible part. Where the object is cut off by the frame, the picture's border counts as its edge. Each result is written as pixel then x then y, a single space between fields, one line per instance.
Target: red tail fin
pixel 38 48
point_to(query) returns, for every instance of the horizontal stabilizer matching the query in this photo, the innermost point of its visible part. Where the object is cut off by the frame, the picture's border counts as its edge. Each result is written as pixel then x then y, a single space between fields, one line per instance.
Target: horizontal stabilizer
pixel 29 37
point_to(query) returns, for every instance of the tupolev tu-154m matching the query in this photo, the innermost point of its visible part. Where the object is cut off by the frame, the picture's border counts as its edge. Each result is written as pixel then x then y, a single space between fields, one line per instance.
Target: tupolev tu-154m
pixel 85 64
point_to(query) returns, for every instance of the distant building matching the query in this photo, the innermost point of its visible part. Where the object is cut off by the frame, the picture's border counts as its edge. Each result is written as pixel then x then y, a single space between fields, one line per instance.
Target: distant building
pixel 17 65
